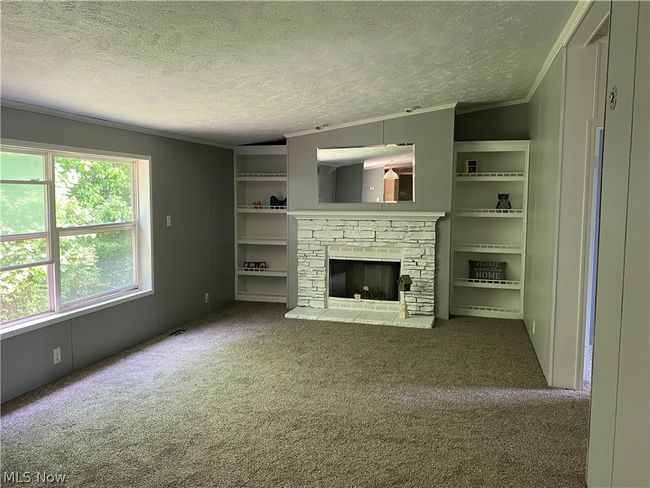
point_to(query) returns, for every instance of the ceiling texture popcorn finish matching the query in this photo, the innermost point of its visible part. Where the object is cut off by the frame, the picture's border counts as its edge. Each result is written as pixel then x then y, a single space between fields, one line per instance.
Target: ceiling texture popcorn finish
pixel 242 72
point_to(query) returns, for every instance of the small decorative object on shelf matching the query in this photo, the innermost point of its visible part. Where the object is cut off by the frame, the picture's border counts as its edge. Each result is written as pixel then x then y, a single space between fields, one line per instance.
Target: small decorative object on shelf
pixel 471 166
pixel 255 265
pixel 504 203
pixel 404 285
pixel 487 270
pixel 276 202
pixel 257 204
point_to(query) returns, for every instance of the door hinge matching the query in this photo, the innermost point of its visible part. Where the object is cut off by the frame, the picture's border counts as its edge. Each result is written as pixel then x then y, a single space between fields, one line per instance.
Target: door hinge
pixel 613 97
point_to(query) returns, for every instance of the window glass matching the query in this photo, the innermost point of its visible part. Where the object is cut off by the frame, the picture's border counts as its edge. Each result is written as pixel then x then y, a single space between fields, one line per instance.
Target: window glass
pixel 21 166
pixel 92 191
pixel 23 292
pixel 27 251
pixel 43 221
pixel 92 264
pixel 22 208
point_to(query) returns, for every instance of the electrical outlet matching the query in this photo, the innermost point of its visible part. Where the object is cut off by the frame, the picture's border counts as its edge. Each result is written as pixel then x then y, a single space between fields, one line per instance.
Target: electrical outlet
pixel 533 327
pixel 169 221
pixel 56 355
pixel 207 298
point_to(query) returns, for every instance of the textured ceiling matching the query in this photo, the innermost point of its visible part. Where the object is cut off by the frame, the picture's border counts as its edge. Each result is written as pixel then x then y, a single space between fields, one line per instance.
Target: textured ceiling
pixel 363 153
pixel 240 72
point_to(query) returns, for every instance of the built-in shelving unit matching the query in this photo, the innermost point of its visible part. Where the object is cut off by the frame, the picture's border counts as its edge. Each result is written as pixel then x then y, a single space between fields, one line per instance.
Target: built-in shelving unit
pixel 497 176
pixel 259 272
pixel 261 209
pixel 261 241
pixel 496 284
pixel 481 232
pixel 489 212
pixel 483 311
pixel 245 296
pixel 260 228
pixel 488 248
pixel 261 177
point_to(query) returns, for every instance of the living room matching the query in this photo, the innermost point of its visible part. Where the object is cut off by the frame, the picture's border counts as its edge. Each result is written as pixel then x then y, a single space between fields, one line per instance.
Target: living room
pixel 325 244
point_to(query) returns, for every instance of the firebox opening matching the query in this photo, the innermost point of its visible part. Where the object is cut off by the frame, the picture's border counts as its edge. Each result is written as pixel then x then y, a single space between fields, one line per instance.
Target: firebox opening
pixel 373 280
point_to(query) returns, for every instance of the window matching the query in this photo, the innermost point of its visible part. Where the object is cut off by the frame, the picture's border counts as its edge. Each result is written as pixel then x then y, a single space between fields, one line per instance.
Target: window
pixel 74 230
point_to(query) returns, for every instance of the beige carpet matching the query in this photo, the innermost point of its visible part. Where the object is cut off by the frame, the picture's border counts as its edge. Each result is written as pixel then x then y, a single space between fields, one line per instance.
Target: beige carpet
pixel 248 398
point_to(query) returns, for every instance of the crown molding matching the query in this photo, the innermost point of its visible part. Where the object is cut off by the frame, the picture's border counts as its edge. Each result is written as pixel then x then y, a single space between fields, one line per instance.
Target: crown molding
pixel 372 119
pixel 107 123
pixel 579 12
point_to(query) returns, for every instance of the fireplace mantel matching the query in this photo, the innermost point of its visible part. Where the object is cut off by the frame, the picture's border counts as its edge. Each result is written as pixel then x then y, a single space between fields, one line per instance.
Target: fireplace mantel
pixel 365 215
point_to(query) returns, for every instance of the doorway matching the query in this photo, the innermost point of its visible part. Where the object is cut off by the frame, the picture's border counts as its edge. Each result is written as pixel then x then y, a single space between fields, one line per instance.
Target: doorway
pixel 592 257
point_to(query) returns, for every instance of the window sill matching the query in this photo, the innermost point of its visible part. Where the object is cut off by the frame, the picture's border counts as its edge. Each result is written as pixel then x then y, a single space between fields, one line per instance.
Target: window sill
pixel 49 319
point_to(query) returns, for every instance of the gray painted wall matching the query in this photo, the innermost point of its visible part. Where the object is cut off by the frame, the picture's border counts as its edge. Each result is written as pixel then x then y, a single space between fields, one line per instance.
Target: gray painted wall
pixel 496 124
pixel 327 183
pixel 563 113
pixel 191 182
pixel 349 182
pixel 545 111
pixel 583 112
pixel 631 466
pixel 373 178
pixel 619 441
pixel 433 136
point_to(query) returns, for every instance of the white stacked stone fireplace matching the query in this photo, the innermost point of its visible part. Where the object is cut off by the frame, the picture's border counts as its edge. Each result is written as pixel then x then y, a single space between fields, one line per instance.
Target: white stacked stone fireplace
pixel 407 238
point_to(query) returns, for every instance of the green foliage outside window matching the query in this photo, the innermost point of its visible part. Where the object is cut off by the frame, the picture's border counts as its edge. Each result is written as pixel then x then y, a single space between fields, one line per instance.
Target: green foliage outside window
pixel 23 293
pixel 88 192
pixel 92 192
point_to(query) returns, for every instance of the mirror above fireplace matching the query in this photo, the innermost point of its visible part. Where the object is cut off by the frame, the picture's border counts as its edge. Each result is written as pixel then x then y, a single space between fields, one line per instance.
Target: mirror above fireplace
pixel 366 174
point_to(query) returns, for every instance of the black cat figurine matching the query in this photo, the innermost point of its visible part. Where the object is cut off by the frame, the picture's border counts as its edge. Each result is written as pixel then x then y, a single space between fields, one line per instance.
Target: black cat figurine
pixel 504 203
pixel 276 202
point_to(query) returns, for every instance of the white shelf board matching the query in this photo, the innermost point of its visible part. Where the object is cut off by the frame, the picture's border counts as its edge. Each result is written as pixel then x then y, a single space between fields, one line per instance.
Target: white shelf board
pixel 261 241
pixel 495 284
pixel 262 209
pixel 261 297
pixel 488 248
pixel 267 272
pixel 262 177
pixel 490 212
pixel 492 146
pixel 482 311
pixel 500 176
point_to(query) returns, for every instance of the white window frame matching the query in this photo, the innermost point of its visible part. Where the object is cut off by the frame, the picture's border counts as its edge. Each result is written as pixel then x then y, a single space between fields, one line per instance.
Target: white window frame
pixel 140 226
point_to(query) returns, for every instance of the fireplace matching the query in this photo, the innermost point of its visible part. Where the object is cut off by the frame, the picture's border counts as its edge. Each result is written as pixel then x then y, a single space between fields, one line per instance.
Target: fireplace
pixel 364 279
pixel 342 252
